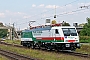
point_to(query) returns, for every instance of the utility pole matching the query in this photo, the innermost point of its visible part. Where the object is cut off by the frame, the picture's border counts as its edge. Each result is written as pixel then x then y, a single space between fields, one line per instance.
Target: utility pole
pixel 55 12
pixel 13 31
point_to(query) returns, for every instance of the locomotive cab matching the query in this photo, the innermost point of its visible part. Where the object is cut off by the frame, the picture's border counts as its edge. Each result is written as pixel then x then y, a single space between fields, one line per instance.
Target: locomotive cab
pixel 69 39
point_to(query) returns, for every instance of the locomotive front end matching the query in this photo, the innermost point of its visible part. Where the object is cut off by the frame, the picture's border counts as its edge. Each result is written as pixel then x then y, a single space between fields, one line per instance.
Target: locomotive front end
pixel 71 38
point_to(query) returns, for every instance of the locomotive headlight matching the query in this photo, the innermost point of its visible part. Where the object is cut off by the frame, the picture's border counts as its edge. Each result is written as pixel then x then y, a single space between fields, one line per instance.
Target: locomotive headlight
pixel 67 45
pixel 77 40
pixel 78 45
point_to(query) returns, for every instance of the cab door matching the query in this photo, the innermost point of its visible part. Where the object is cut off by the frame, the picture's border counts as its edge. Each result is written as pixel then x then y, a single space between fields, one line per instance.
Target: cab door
pixel 55 34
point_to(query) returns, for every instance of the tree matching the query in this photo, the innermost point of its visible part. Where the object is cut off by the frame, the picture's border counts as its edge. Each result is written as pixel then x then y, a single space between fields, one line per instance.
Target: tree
pixel 1 24
pixel 86 28
pixel 81 25
pixel 54 22
pixel 65 24
pixel 3 32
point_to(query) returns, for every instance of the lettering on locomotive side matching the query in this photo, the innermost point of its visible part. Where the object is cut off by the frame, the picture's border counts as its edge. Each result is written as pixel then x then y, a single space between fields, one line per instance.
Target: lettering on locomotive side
pixel 71 37
pixel 37 32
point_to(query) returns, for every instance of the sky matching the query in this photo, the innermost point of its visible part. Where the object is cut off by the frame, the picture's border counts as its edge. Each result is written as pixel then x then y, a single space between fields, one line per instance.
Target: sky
pixel 21 12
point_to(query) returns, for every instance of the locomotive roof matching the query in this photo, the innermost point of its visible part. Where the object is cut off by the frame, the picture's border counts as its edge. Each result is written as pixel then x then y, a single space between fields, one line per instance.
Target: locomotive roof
pixel 37 29
pixel 63 27
pixel 47 28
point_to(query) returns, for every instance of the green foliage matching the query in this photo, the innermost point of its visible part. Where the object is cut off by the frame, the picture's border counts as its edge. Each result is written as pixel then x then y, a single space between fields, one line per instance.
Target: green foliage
pixel 3 33
pixel 84 39
pixel 13 41
pixel 1 24
pixel 3 58
pixel 41 55
pixel 54 22
pixel 83 32
pixel 81 25
pixel 86 29
pixel 65 24
pixel 84 49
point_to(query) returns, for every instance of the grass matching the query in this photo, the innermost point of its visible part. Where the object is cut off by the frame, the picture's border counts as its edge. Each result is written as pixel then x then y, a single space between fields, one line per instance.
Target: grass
pixel 85 41
pixel 84 49
pixel 18 41
pixel 13 41
pixel 3 58
pixel 42 55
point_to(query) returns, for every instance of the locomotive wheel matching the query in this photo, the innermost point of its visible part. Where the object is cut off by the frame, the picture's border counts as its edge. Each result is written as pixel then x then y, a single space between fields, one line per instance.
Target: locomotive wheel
pixel 24 45
pixel 29 45
pixel 49 48
pixel 39 47
pixel 73 49
pixel 57 49
pixel 32 46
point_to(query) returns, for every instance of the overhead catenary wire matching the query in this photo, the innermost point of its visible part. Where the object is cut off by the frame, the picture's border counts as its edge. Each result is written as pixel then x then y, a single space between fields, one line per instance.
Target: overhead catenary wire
pixel 70 12
pixel 72 2
pixel 54 9
pixel 66 13
pixel 61 14
pixel 48 11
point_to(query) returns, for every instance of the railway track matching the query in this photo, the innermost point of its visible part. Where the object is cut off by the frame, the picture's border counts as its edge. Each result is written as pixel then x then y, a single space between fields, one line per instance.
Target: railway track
pixel 65 52
pixel 14 56
pixel 80 54
pixel 76 54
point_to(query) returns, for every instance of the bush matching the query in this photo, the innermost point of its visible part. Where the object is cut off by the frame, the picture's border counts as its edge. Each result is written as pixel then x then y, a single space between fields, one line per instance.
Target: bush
pixel 84 39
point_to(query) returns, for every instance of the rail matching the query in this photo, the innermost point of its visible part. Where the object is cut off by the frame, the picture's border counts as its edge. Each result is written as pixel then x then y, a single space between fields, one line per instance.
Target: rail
pixel 14 56
pixel 65 52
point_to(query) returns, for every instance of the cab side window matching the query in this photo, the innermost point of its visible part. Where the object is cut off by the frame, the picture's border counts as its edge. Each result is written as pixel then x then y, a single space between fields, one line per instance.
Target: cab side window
pixel 56 31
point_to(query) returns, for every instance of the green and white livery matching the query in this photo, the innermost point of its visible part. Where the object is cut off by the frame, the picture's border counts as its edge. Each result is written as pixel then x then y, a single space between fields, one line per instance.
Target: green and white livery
pixel 51 37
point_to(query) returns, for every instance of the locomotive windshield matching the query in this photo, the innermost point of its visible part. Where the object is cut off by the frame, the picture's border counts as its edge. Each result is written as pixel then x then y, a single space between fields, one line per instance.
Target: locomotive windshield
pixel 69 31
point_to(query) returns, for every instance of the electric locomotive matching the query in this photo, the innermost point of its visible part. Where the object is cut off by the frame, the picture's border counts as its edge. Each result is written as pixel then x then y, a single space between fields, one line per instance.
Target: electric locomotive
pixel 51 37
